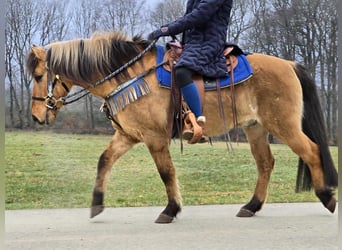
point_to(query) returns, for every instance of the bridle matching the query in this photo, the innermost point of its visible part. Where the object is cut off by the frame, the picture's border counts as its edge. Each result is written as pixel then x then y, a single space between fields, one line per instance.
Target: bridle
pixel 51 102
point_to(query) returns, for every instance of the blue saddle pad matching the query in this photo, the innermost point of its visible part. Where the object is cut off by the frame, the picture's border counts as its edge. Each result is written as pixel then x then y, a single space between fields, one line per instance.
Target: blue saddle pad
pixel 242 72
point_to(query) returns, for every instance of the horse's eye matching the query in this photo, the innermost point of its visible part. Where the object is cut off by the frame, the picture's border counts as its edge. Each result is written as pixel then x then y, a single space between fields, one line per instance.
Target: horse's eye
pixel 38 78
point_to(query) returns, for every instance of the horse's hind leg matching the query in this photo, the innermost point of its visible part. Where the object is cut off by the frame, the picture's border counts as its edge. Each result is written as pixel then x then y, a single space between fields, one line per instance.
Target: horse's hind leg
pixel 159 149
pixel 258 140
pixel 119 145
pixel 310 153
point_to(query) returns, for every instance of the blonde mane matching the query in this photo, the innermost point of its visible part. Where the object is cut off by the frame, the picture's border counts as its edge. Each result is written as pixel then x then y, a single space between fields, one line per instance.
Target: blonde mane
pixel 95 57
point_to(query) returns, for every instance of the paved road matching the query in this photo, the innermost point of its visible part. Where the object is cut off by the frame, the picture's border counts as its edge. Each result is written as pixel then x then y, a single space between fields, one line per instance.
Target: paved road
pixel 277 226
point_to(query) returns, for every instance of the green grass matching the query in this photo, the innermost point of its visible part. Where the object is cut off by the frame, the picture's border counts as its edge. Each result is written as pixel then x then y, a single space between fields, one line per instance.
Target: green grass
pixel 46 170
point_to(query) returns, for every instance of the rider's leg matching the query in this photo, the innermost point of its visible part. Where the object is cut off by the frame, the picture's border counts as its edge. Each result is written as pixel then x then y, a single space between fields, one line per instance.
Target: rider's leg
pixel 192 97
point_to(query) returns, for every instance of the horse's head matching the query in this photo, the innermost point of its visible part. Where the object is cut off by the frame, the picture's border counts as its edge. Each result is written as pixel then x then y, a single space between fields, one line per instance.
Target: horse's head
pixel 48 89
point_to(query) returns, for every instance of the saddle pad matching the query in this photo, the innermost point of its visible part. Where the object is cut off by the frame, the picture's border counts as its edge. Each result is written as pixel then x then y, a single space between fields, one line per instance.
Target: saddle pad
pixel 242 72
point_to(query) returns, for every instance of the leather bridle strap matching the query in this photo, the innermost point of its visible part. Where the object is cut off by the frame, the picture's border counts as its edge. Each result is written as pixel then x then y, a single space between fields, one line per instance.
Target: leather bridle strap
pixel 50 99
pixel 50 88
pixel 39 98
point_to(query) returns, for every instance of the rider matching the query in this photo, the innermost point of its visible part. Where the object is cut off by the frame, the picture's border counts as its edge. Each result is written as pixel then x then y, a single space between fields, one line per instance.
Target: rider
pixel 204 28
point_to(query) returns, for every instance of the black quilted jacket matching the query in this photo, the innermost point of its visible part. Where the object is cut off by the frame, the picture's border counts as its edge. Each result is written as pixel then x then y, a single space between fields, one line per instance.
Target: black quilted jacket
pixel 204 28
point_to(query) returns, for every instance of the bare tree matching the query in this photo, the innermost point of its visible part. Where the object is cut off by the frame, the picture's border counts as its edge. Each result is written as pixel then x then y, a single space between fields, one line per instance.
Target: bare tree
pixel 240 22
pixel 125 15
pixel 86 17
pixel 26 24
pixel 54 23
pixel 165 12
pixel 304 31
pixel 21 24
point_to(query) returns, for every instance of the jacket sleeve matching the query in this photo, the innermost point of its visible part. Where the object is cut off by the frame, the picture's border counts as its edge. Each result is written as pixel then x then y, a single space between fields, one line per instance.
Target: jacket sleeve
pixel 197 17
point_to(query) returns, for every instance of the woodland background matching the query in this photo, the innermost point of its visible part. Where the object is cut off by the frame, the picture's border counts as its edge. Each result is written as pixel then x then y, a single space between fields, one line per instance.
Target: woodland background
pixel 301 30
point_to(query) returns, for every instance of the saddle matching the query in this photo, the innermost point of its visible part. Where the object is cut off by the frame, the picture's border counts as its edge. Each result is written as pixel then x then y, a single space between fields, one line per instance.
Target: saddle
pixel 189 123
pixel 174 50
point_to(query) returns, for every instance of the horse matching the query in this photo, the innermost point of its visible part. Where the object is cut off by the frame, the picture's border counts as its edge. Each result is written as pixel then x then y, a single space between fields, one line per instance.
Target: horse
pixel 279 99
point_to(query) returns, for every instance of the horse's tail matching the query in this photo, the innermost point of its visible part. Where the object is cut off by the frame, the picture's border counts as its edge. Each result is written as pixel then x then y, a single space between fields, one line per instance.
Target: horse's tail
pixel 313 126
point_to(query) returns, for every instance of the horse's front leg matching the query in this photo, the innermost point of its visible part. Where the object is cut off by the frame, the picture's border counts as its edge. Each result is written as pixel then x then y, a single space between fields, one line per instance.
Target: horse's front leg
pixel 119 145
pixel 260 147
pixel 159 149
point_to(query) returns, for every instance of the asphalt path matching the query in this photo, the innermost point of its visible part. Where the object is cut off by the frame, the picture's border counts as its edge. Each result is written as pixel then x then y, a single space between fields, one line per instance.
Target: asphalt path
pixel 277 226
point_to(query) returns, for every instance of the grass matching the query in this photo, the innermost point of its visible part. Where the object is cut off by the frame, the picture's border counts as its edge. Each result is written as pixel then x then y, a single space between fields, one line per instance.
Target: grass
pixel 46 170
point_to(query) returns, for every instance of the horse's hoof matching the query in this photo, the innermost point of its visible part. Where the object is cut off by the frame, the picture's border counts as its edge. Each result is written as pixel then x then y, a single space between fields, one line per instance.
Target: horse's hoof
pixel 245 213
pixel 163 219
pixel 95 210
pixel 331 205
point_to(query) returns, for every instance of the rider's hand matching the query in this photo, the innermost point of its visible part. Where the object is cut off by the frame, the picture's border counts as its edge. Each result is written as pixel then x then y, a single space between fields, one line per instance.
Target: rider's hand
pixel 163 31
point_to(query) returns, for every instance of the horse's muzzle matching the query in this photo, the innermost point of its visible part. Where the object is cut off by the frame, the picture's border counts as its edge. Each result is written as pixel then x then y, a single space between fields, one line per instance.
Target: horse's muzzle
pixel 35 119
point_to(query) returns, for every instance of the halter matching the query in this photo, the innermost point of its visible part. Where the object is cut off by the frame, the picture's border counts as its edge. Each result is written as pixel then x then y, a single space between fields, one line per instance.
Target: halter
pixel 51 102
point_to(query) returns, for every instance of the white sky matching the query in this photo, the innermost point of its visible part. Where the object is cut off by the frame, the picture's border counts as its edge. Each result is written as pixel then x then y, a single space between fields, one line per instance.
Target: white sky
pixel 153 2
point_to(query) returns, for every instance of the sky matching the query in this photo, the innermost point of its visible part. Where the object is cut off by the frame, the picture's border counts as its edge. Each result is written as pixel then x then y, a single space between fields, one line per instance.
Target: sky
pixel 153 2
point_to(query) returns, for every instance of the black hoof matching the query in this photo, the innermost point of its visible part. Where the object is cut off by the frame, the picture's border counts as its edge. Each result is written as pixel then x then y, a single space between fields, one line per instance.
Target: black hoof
pixel 331 205
pixel 96 210
pixel 250 208
pixel 169 213
pixel 164 219
pixel 245 213
pixel 327 198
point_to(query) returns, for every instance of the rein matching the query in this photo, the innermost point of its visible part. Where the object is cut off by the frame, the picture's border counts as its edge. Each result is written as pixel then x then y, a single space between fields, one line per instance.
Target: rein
pixel 126 65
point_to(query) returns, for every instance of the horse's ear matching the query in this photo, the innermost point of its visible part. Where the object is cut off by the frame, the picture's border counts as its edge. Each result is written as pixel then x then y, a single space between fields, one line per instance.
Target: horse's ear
pixel 39 52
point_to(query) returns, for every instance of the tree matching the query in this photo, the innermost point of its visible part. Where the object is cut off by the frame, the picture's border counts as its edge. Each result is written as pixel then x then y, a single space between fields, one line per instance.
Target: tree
pixel 21 23
pixel 165 12
pixel 125 15
pixel 240 22
pixel 305 31
pixel 25 25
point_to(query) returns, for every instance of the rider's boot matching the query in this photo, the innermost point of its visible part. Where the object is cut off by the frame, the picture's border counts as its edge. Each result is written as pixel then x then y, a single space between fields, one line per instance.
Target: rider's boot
pixel 197 133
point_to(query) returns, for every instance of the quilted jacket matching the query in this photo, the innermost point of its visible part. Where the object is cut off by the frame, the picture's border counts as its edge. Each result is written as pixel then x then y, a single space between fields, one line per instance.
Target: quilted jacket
pixel 204 28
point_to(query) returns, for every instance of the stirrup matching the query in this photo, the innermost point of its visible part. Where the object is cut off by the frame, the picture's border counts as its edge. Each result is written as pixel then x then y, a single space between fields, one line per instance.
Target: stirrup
pixel 191 127
pixel 194 131
pixel 201 120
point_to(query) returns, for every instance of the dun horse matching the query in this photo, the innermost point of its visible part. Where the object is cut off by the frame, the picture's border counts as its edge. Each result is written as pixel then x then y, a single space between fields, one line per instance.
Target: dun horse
pixel 280 98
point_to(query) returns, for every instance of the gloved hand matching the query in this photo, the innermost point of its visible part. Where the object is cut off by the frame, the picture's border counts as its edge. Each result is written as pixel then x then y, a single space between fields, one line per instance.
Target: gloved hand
pixel 163 31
